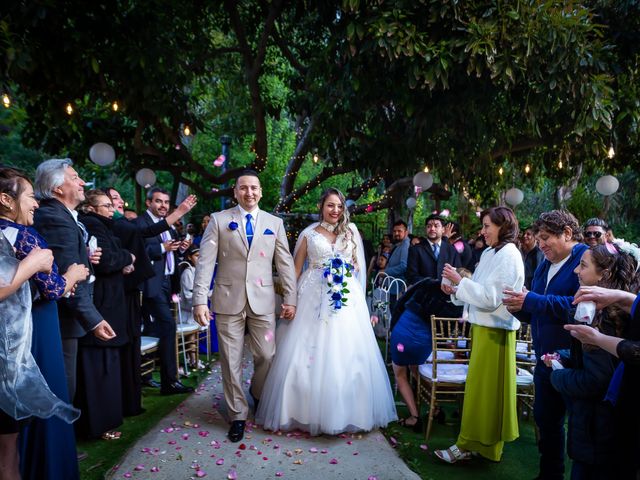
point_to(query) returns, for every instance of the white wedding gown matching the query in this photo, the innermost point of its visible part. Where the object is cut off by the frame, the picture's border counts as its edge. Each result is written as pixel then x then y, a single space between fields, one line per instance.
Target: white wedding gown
pixel 327 375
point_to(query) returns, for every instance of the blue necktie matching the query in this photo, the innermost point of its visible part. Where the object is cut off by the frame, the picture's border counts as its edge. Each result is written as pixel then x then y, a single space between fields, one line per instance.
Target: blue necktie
pixel 249 229
pixel 436 250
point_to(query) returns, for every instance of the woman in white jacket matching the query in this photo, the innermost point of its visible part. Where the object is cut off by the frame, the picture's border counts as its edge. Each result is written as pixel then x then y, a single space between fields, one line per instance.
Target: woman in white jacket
pixel 489 415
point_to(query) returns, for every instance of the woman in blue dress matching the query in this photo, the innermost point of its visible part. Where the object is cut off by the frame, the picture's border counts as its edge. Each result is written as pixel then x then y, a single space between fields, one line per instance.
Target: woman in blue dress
pixel 47 446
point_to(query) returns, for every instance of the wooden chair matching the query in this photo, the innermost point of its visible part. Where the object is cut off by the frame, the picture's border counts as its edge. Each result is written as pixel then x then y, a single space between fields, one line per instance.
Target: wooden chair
pixel 442 379
pixel 525 363
pixel 148 347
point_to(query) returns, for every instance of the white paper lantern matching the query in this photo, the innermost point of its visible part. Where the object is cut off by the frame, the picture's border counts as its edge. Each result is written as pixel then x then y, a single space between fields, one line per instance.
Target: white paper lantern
pixel 350 203
pixel 514 196
pixel 423 180
pixel 411 203
pixel 607 185
pixel 146 177
pixel 102 154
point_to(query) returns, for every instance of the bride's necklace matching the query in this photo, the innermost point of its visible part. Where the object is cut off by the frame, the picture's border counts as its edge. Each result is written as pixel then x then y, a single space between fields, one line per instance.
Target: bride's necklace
pixel 328 227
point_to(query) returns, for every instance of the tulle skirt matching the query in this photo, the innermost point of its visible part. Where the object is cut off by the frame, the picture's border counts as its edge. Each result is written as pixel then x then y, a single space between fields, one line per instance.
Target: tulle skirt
pixel 328 375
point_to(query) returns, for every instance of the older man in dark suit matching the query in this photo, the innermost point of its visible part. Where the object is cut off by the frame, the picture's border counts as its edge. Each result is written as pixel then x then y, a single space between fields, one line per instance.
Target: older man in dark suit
pixel 60 190
pixel 427 259
pixel 156 291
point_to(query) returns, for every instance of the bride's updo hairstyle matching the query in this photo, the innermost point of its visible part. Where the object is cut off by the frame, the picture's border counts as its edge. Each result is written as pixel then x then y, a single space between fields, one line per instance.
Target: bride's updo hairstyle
pixel 343 223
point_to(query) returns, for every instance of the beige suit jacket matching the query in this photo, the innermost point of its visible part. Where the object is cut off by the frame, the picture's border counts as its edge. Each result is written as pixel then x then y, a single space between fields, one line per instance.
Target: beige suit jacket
pixel 244 274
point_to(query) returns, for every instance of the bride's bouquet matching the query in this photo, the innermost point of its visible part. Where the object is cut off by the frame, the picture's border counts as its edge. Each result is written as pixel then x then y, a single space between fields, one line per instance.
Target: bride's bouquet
pixel 335 272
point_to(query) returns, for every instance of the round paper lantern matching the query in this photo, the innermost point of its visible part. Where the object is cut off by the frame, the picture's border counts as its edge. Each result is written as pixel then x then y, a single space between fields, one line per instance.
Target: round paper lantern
pixel 607 185
pixel 102 154
pixel 350 203
pixel 146 177
pixel 423 180
pixel 411 203
pixel 514 196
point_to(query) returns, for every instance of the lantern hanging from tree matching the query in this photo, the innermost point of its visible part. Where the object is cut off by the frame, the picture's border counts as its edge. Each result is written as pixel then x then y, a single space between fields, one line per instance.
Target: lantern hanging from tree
pixel 423 180
pixel 607 185
pixel 514 196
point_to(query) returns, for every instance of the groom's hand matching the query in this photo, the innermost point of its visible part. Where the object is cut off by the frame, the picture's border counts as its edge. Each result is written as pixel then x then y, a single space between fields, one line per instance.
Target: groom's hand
pixel 288 312
pixel 201 315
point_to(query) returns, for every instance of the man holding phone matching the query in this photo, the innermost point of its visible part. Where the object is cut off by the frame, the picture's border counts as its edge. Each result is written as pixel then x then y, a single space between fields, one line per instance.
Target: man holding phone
pixel 156 291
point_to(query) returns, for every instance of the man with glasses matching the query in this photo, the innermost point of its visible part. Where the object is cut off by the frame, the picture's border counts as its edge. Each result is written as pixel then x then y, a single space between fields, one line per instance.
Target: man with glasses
pixel 595 230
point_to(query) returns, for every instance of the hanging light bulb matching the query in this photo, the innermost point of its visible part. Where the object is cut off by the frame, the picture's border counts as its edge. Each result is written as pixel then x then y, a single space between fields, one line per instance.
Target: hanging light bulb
pixel 115 106
pixel 426 170
pixel 316 158
pixel 69 109
pixel 560 164
pixel 500 171
pixel 527 168
pixel 187 131
pixel 611 153
pixel 6 101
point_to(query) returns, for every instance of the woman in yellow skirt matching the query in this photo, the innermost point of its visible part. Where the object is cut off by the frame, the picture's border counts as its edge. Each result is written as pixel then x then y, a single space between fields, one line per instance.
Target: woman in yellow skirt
pixel 489 414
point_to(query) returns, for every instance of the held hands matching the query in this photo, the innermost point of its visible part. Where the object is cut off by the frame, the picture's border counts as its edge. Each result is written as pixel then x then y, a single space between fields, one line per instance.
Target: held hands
pixel 288 312
pixel 514 300
pixel 448 289
pixel 104 331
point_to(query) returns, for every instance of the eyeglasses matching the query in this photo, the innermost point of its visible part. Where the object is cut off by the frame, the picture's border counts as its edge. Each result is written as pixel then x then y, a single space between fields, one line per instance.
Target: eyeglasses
pixel 593 234
pixel 106 205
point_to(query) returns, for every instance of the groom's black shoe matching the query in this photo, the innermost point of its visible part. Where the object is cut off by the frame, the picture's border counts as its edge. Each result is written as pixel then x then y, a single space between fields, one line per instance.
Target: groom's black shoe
pixel 256 401
pixel 236 432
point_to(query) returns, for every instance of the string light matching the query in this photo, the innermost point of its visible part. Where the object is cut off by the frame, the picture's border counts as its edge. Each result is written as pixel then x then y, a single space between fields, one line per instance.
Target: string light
pixel 611 153
pixel 426 169
pixel 500 171
pixel 69 109
pixel 527 168
pixel 187 131
pixel 560 164
pixel 6 101
pixel 115 106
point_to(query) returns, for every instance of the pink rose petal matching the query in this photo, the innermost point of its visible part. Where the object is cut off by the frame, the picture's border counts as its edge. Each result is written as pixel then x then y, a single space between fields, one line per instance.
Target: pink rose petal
pixel 268 336
pixel 313 450
pixel 127 475
pixel 220 461
pixel 279 474
pixel 201 473
pixel 333 461
pixel 139 467
pixel 372 477
pixel 424 447
pixel 262 254
pixel 155 469
pixel 400 347
pixel 324 450
pixel 232 474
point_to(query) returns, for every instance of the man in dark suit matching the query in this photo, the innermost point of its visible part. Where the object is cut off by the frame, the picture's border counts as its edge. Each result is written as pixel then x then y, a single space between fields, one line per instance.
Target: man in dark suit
pixel 60 190
pixel 156 290
pixel 427 259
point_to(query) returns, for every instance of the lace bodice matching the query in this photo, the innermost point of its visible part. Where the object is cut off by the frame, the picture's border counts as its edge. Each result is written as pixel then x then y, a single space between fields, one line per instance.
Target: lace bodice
pixel 320 249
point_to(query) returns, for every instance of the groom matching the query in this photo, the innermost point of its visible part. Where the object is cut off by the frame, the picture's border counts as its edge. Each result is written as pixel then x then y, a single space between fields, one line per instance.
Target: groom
pixel 245 242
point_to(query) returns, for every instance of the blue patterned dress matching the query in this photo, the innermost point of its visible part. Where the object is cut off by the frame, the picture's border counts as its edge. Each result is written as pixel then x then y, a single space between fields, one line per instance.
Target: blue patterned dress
pixel 47 447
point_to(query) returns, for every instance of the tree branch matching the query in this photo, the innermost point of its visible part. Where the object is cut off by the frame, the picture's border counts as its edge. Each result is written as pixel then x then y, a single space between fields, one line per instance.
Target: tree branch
pixel 295 162
pixel 327 172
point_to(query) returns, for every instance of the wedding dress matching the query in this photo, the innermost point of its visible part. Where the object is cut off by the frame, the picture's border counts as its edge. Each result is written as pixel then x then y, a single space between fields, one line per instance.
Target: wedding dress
pixel 327 375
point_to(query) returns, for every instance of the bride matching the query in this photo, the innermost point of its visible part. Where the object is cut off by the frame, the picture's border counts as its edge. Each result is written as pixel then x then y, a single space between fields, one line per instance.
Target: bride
pixel 328 375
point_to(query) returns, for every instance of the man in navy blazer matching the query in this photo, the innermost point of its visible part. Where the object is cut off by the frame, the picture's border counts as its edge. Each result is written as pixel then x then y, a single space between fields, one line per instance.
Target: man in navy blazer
pixel 60 190
pixel 156 290
pixel 427 259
